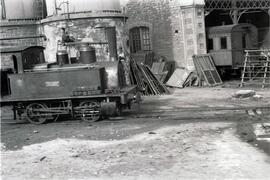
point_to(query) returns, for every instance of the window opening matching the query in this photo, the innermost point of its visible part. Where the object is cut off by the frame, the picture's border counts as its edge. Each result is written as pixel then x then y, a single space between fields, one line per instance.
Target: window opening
pixel 140 39
pixel 244 45
pixel 223 43
pixel 210 45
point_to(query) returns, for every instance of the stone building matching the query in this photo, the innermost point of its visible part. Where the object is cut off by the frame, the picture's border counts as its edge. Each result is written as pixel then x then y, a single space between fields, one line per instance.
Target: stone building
pixel 20 27
pixel 176 29
pixel 39 23
pixel 172 29
pixel 86 21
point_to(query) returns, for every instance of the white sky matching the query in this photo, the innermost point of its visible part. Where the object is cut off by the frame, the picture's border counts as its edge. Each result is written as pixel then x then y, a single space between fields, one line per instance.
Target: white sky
pixel 182 2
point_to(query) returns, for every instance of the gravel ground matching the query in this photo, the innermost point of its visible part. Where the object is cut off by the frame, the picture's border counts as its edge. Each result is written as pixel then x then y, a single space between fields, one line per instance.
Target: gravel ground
pixel 156 141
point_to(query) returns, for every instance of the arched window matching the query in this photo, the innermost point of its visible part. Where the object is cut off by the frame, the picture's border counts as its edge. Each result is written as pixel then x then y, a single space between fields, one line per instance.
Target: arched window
pixel 139 39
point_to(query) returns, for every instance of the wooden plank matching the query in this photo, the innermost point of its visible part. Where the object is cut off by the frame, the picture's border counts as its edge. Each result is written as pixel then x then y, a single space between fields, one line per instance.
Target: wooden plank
pixel 178 78
pixel 206 69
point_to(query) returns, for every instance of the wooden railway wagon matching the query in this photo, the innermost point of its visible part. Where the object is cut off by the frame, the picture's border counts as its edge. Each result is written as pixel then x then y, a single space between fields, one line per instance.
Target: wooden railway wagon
pixel 90 91
pixel 227 43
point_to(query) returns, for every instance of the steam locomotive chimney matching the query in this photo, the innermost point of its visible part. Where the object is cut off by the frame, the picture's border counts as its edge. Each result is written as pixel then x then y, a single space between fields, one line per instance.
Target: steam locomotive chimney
pixel 111 37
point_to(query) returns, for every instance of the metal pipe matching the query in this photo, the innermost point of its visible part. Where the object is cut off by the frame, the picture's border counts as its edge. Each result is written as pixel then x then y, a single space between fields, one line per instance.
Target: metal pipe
pixel 89 43
pixel 23 37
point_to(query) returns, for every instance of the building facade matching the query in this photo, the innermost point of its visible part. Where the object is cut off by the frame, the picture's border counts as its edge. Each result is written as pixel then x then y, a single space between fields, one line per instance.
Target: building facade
pixel 85 21
pixel 172 29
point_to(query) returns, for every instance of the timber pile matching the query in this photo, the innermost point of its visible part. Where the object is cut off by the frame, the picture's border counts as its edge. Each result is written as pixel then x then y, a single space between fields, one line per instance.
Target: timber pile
pixel 142 76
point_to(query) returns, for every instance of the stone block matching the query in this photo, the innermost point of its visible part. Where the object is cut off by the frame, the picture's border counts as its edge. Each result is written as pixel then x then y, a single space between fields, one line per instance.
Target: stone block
pixel 244 93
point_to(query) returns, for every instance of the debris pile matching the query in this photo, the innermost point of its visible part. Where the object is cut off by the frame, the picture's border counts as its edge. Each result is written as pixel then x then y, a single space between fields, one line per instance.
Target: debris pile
pixel 142 76
pixel 205 73
pixel 163 70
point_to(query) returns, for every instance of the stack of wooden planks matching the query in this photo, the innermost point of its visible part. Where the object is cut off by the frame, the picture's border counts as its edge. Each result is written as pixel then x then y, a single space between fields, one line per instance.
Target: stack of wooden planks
pixel 142 76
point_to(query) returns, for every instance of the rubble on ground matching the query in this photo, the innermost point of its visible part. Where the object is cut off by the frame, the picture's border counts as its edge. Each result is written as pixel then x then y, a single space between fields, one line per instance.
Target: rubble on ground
pixel 244 94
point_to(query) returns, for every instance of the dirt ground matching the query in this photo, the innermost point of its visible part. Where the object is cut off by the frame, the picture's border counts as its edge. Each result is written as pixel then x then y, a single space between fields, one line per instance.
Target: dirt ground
pixel 192 134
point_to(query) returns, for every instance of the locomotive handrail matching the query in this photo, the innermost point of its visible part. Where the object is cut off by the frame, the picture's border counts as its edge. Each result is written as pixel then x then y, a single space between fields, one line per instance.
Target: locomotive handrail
pixel 63 68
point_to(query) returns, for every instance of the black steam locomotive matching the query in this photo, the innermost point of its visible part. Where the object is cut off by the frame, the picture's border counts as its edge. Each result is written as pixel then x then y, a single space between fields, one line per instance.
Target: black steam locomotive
pixel 87 89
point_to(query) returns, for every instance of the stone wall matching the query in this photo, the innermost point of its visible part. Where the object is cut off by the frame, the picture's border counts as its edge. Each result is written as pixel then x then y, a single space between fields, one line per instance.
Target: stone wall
pixel 16 34
pixel 86 29
pixel 177 31
pixel 6 61
pixel 156 15
pixel 194 33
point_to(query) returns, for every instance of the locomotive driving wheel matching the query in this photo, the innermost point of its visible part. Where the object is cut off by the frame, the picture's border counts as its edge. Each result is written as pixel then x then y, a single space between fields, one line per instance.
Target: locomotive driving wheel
pixel 36 113
pixel 89 111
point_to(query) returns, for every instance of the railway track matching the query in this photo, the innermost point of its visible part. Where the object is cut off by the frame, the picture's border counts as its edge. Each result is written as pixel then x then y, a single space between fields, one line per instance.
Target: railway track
pixel 188 113
pixel 204 112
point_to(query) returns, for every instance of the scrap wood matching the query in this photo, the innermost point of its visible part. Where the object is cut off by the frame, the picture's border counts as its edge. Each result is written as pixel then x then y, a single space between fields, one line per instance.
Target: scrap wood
pixel 206 69
pixel 163 70
pixel 135 76
pixel 161 76
pixel 158 70
pixel 191 80
pixel 142 76
pixel 162 87
pixel 158 67
pixel 179 78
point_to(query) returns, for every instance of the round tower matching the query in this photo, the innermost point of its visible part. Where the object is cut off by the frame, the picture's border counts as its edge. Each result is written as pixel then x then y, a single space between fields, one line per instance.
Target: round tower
pixel 89 21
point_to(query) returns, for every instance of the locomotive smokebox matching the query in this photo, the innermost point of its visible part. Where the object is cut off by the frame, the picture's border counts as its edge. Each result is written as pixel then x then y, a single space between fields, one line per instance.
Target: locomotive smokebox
pixel 62 57
pixel 87 54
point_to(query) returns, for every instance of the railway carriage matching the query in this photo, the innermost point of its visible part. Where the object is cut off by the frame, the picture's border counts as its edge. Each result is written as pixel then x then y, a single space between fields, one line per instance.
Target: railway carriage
pixel 227 43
